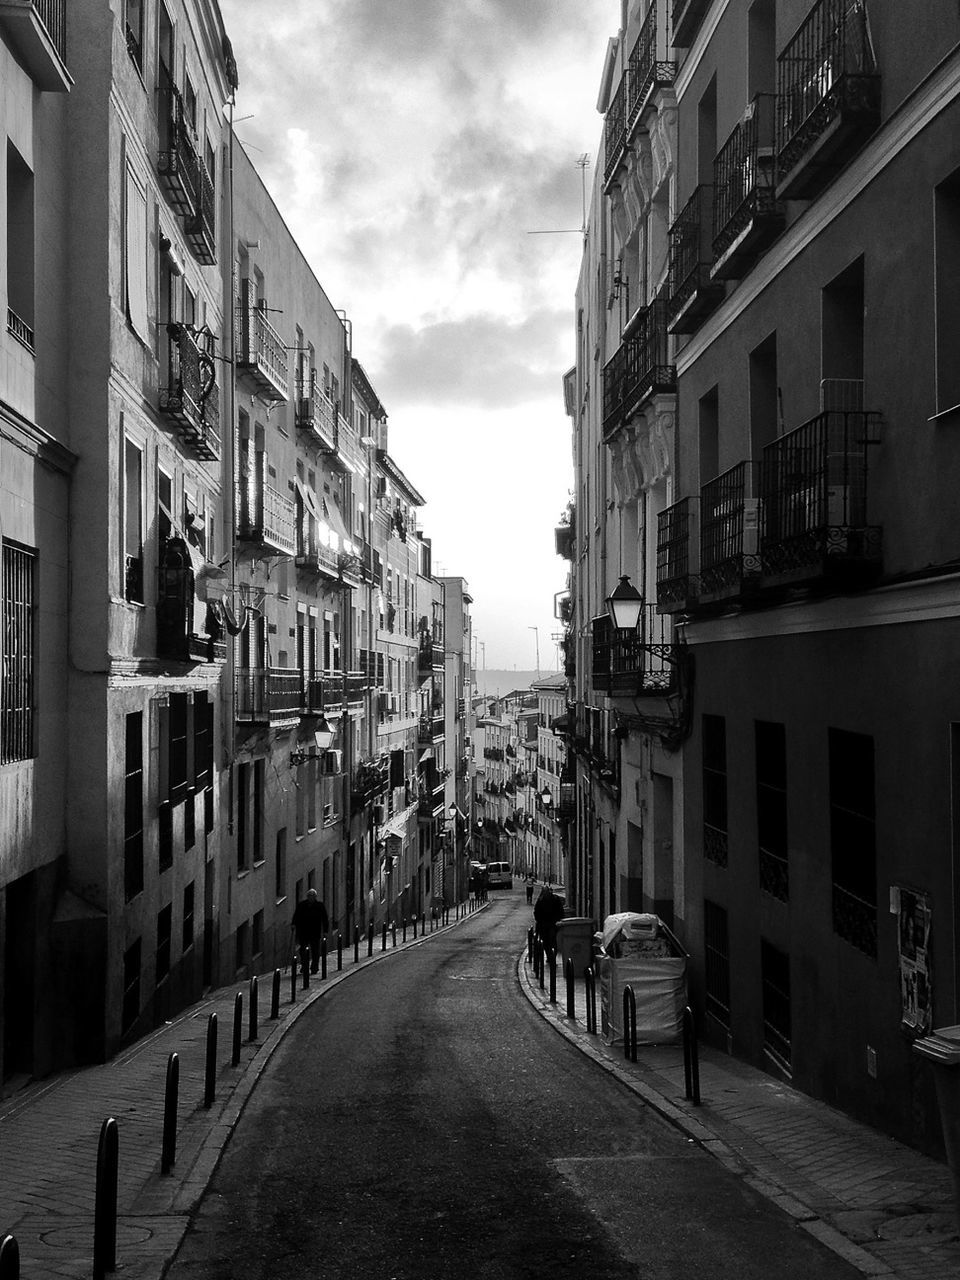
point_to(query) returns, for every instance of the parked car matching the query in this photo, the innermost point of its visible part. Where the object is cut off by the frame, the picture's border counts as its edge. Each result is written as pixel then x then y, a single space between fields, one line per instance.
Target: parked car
pixel 499 875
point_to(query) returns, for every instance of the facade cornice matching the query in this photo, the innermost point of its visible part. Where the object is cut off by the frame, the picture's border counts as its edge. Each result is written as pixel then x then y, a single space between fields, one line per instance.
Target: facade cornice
pixel 32 439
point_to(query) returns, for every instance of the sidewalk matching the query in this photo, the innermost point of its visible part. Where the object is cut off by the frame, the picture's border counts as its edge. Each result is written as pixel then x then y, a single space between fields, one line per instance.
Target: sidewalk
pixel 883 1207
pixel 49 1132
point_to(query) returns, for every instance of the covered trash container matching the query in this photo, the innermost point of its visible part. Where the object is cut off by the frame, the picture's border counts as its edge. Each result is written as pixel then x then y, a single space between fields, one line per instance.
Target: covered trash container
pixel 942 1049
pixel 638 950
pixel 575 942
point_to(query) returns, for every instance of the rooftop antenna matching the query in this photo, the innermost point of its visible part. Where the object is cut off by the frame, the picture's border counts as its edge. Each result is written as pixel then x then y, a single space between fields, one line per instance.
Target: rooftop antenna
pixel 583 163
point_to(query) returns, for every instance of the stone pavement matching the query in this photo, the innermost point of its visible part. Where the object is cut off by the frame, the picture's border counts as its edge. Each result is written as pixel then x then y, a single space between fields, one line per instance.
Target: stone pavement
pixel 49 1131
pixel 885 1208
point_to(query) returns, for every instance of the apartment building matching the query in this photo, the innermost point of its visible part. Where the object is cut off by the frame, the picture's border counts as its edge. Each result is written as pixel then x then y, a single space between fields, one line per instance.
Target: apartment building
pixel 458 727
pixel 798 545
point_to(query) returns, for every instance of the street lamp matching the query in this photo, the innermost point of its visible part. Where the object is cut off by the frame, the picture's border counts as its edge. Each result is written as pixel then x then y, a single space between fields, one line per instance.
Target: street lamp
pixel 624 605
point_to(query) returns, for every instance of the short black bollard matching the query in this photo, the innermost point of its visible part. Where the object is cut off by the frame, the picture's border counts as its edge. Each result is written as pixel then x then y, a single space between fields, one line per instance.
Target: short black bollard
pixel 571 988
pixel 629 1024
pixel 9 1258
pixel 105 1209
pixel 323 959
pixel 339 951
pixel 553 976
pixel 253 1020
pixel 530 937
pixel 356 944
pixel 370 939
pixel 383 936
pixel 393 933
pixel 590 986
pixel 691 1058
pixel 210 1073
pixel 168 1151
pixel 275 996
pixel 293 979
pixel 403 934
pixel 414 928
pixel 237 1028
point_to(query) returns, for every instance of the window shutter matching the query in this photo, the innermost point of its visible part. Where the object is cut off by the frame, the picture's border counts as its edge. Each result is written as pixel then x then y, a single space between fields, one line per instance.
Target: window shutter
pixel 136 255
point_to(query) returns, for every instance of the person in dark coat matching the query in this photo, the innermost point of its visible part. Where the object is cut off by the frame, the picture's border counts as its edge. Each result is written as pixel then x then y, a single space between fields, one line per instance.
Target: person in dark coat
pixel 547 910
pixel 309 924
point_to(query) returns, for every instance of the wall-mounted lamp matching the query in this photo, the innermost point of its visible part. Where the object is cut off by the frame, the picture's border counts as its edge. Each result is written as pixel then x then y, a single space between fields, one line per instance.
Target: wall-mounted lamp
pixel 624 605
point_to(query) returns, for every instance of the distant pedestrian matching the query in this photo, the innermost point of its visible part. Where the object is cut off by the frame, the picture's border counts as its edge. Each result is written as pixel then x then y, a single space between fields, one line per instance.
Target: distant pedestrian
pixel 309 924
pixel 547 912
pixel 530 884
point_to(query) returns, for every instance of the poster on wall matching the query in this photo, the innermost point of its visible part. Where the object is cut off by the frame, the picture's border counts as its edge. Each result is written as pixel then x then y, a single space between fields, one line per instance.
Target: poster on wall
pixel 916 1011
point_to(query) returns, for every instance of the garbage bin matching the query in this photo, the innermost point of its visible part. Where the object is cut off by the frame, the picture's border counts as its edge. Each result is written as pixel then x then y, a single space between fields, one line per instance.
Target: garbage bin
pixel 942 1049
pixel 575 942
pixel 639 951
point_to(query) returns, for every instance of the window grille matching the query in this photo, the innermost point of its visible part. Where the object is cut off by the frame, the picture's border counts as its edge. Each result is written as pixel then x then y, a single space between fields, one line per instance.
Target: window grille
pixel 18 650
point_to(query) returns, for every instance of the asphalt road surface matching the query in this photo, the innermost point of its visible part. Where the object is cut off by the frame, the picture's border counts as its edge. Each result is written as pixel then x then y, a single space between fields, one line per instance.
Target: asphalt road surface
pixel 422 1122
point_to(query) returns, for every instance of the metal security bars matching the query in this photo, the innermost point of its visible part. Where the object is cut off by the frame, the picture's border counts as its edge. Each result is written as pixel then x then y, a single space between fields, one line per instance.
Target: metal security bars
pixel 744 181
pixel 639 663
pixel 53 15
pixel 18 652
pixel 689 290
pixel 646 68
pixel 729 531
pixel 640 366
pixel 615 130
pixel 675 587
pixel 191 397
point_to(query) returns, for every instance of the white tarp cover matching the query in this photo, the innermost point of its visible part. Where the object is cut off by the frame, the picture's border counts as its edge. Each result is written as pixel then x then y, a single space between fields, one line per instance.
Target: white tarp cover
pixel 660 988
pixel 631 924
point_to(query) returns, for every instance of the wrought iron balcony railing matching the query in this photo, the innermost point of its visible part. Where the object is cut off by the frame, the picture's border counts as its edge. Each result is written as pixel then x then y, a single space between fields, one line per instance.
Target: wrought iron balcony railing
pixel 676 581
pixel 614 130
pixel 266 516
pixel 38 31
pixel 316 413
pixel 648 65
pixel 640 368
pixel 730 534
pixel 200 225
pixel 828 96
pixel 190 397
pixel 260 350
pixel 689 289
pixel 177 162
pixel 639 663
pixel 746 213
pixel 269 695
pixel 814 491
pixel 20 329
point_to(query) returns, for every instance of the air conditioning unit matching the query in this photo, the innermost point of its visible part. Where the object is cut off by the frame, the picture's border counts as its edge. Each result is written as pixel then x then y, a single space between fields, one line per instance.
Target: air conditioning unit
pixel 332 762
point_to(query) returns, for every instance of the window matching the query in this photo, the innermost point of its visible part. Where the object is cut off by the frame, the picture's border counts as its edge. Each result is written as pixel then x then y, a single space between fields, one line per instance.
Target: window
pixel 841 334
pixel 21 248
pixel 709 436
pixel 164 933
pixel 771 756
pixel 202 741
pixel 133 806
pixel 135 254
pixel 134 32
pixel 164 54
pixel 132 522
pixel 775 984
pixel 177 749
pixel 259 783
pixel 189 896
pixel 165 836
pixel 715 789
pixel 716 962
pixel 131 986
pixel 243 815
pixel 853 838
pixel 17 650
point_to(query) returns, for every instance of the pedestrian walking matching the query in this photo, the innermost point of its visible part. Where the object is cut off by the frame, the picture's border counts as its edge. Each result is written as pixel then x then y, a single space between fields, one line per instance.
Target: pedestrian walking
pixel 547 912
pixel 530 883
pixel 309 924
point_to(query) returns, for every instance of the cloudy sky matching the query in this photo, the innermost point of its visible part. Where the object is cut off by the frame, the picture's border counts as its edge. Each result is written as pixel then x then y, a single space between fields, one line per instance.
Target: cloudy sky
pixel 411 146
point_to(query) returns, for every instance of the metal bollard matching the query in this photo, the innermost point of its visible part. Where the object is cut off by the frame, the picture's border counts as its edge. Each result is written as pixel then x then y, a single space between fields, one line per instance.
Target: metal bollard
pixel 253 1021
pixel 293 979
pixel 210 1073
pixel 414 928
pixel 691 1058
pixel 370 939
pixel 9 1258
pixel 530 937
pixel 105 1209
pixel 393 932
pixel 571 988
pixel 323 959
pixel 403 935
pixel 237 1028
pixel 356 944
pixel 168 1150
pixel 590 985
pixel 629 1024
pixel 339 951
pixel 383 937
pixel 275 996
pixel 553 976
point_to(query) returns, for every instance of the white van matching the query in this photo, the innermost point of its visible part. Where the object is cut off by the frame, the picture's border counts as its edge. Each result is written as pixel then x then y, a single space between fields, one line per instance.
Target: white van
pixel 499 875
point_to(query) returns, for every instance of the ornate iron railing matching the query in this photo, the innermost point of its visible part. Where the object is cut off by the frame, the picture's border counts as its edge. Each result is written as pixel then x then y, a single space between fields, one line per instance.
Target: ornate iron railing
pixel 261 351
pixel 774 874
pixel 641 662
pixel 827 68
pixel 729 528
pixel 201 224
pixel 19 329
pixel 690 252
pixel 177 162
pixel 744 173
pixel 646 69
pixel 614 130
pixel 316 414
pixel 674 536
pixel 271 694
pixel 191 396
pixel 640 366
pixel 53 15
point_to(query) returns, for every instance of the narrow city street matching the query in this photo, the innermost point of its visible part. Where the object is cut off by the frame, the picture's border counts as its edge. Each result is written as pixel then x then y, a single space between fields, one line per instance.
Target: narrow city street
pixel 423 1121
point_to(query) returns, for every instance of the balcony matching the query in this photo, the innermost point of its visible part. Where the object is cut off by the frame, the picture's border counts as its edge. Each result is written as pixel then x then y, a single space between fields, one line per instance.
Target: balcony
pixel 269 695
pixel 615 131
pixel 344 688
pixel 746 213
pixel 370 781
pixel 187 631
pixel 430 656
pixel 178 165
pixel 828 97
pixel 20 330
pixel 690 292
pixel 676 581
pixel 200 224
pixel 190 398
pixel 37 29
pixel 639 369
pixel 686 17
pixel 814 490
pixel 565 537
pixel 313 701
pixel 648 67
pixel 261 354
pixel 316 415
pixel 314 557
pixel 266 516
pixel 730 535
pixel 634 664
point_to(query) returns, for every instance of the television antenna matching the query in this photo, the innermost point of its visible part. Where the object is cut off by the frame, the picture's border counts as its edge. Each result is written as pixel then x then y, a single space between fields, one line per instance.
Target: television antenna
pixel 583 163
